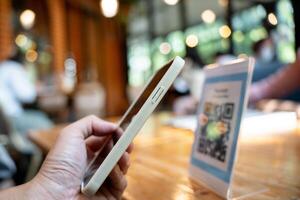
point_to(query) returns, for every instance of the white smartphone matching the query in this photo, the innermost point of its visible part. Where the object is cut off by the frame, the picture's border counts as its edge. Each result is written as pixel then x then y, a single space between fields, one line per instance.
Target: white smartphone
pixel 131 122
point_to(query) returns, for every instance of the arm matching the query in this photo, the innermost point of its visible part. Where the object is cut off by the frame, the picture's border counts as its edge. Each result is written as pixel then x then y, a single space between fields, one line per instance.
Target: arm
pixel 278 85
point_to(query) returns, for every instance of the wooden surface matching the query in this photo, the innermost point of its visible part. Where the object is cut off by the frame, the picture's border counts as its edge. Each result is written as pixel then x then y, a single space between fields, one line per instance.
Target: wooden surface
pixel 267 167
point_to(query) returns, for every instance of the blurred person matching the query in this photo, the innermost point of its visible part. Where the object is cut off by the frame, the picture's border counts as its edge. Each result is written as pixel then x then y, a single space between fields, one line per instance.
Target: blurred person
pixel 266 61
pixel 15 90
pixel 63 170
pixel 279 85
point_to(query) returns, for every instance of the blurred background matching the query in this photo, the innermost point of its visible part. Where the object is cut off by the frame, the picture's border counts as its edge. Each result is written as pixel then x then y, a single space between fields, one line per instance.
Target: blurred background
pixel 83 57
pixel 119 44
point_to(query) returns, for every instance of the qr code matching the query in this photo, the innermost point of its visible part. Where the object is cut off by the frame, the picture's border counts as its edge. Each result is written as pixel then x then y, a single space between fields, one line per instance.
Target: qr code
pixel 215 126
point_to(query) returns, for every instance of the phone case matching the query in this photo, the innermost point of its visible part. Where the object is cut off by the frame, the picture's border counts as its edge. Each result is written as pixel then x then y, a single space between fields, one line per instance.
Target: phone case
pixel 133 128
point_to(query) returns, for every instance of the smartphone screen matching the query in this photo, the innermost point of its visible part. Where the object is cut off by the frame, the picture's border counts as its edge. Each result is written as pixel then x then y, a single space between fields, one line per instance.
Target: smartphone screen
pixel 124 122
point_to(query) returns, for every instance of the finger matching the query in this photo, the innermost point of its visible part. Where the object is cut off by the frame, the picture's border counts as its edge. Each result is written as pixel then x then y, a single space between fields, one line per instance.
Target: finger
pixel 124 162
pixel 92 125
pixel 130 148
pixel 94 143
pixel 117 181
pixel 104 191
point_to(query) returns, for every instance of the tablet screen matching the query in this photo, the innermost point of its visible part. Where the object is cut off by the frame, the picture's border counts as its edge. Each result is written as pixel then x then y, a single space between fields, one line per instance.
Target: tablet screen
pixel 126 119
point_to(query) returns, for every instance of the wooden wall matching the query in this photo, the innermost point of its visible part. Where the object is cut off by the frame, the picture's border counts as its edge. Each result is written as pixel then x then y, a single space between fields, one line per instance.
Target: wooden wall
pixel 77 28
pixel 96 44
pixel 57 27
pixel 6 33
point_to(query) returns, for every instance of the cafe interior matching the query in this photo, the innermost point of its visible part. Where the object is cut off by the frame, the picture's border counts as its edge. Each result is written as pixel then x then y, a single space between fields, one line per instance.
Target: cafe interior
pixel 63 60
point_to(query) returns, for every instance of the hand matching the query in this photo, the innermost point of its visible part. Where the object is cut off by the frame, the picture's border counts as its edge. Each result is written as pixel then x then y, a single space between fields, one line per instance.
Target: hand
pixel 64 167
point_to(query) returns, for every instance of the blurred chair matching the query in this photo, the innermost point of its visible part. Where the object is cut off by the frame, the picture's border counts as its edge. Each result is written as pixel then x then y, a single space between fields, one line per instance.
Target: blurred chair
pixel 54 103
pixel 89 100
pixel 7 166
pixel 23 150
pixel 133 92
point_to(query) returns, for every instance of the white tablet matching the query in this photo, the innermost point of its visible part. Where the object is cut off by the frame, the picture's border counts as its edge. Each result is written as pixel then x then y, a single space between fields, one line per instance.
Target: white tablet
pixel 131 122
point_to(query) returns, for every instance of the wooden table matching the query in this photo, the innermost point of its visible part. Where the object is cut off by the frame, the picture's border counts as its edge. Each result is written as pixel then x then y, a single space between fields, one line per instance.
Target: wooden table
pixel 267 167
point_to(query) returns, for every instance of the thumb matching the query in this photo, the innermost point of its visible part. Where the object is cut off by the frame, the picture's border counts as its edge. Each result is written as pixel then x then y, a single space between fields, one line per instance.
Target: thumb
pixel 92 125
